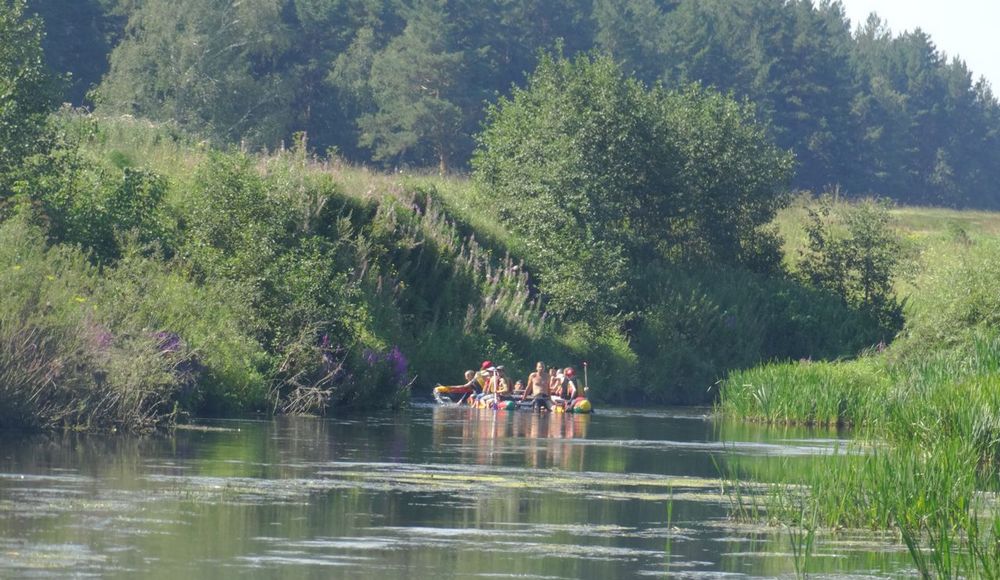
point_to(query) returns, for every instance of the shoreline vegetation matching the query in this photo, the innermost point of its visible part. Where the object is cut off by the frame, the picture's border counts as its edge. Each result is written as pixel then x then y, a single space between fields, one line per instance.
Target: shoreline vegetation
pixel 149 274
pixel 924 410
pixel 302 286
pixel 604 221
pixel 280 282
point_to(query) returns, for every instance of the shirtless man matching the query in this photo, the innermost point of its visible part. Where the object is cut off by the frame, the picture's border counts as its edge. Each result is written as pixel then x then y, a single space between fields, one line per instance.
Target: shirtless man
pixel 538 387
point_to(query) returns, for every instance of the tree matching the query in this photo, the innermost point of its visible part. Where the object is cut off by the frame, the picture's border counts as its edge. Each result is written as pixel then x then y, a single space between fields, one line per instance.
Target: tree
pixel 854 252
pixel 566 159
pixel 415 80
pixel 213 67
pixel 631 31
pixel 731 183
pixel 791 59
pixel 325 59
pixel 602 175
pixel 79 35
pixel 414 84
pixel 28 90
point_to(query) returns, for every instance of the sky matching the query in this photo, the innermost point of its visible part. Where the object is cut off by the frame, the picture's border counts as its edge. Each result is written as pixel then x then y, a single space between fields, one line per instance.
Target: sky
pixel 963 28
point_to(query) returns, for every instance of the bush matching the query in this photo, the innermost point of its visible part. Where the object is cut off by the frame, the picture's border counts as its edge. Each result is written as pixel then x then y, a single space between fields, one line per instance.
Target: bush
pixel 213 318
pixel 61 363
pixel 958 296
pixel 854 253
pixel 700 324
pixel 94 207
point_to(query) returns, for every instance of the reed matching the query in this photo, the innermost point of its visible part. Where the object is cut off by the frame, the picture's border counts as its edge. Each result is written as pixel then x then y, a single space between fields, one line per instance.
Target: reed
pixel 806 392
pixel 935 495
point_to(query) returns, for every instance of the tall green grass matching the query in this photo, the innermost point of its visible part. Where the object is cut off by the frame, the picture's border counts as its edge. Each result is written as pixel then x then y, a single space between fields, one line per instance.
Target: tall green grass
pixel 807 392
pixel 930 401
pixel 63 364
pixel 934 497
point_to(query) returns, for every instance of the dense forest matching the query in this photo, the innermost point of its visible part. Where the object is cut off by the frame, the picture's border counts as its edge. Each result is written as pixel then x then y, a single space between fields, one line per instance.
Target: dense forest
pixel 406 83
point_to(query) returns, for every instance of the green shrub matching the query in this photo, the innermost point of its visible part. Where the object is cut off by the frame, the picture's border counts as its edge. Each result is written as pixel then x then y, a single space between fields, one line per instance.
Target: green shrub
pixel 854 253
pixel 214 319
pixel 62 363
pixel 94 207
pixel 699 324
pixel 957 296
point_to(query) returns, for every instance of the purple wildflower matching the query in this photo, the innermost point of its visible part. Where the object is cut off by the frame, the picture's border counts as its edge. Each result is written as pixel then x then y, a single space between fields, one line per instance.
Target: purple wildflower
pixel 167 342
pixel 103 338
pixel 397 361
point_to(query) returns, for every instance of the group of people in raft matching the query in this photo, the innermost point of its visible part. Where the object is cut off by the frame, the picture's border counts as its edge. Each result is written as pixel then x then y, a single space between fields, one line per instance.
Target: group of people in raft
pixel 555 389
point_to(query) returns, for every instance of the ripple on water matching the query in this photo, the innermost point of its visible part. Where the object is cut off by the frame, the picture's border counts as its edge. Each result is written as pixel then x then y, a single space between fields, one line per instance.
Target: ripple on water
pixel 22 558
pixel 421 516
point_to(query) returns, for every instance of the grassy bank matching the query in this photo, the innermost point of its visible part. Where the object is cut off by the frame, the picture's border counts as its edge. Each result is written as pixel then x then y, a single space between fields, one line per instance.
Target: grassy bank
pixel 928 403
pixel 285 284
pixel 938 377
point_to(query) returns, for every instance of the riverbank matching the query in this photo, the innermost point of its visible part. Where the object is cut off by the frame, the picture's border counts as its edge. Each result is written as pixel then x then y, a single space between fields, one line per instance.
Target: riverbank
pixel 283 282
pixel 927 402
pixel 152 277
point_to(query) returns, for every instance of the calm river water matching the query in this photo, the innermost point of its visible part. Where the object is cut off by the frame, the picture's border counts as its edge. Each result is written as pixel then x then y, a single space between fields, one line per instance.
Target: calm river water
pixel 427 493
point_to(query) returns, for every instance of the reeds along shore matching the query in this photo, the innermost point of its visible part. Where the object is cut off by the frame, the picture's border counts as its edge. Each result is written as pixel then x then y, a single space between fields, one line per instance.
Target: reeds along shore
pixel 925 409
pixel 938 379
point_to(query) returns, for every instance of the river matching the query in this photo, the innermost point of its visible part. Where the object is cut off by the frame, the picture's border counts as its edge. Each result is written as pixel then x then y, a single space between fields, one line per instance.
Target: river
pixel 425 493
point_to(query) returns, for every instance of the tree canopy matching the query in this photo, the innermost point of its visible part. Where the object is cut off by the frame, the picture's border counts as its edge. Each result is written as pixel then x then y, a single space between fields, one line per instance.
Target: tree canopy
pixel 28 90
pixel 601 174
pixel 406 83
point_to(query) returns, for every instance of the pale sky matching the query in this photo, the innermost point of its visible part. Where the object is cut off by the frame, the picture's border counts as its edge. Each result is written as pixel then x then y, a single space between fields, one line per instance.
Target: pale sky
pixel 967 29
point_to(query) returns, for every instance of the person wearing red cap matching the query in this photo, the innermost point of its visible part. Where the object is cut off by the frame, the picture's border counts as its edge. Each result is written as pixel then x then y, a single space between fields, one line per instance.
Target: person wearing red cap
pixel 569 383
pixel 489 379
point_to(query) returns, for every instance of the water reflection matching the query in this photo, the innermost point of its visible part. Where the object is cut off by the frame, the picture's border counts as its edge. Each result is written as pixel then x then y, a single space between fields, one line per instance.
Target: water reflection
pixel 521 438
pixel 446 492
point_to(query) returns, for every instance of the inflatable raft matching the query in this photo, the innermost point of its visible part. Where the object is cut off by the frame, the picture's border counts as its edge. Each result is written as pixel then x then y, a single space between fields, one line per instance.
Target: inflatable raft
pixel 452 395
pixel 463 395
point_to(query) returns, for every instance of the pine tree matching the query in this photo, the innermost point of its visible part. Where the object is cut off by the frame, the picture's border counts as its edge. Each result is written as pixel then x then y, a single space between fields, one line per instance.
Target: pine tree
pixel 414 84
